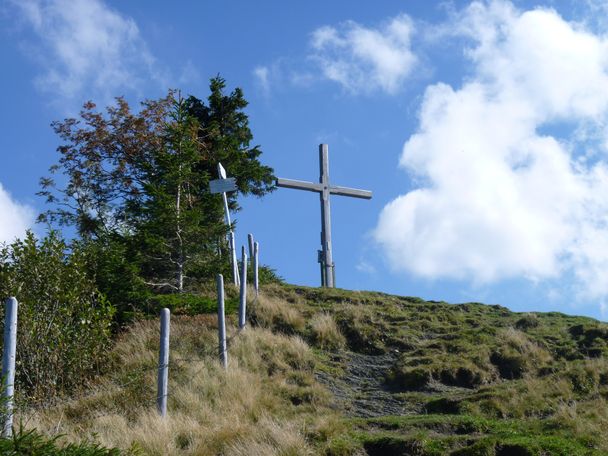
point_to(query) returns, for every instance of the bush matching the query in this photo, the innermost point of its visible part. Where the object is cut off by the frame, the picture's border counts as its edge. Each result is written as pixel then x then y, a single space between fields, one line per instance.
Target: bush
pixel 113 261
pixel 268 275
pixel 190 304
pixel 63 320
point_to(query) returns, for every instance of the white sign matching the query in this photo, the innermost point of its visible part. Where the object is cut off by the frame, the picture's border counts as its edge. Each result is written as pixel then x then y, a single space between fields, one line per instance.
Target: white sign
pixel 222 185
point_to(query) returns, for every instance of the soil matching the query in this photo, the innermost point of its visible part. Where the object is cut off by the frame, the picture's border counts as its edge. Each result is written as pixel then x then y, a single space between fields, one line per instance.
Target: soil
pixel 361 391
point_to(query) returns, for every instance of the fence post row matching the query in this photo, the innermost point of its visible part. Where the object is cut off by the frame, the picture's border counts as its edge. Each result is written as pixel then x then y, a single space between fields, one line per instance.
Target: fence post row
pixel 243 295
pixel 8 365
pixel 256 262
pixel 221 321
pixel 10 340
pixel 163 363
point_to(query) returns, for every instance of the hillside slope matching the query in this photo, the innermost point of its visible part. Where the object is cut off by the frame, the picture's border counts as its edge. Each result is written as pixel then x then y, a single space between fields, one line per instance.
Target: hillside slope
pixel 335 372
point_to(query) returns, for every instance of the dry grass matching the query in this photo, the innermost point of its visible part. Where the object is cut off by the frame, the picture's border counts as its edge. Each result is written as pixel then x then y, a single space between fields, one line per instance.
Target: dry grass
pixel 587 419
pixel 260 406
pixel 519 341
pixel 325 332
pixel 518 356
pixel 475 378
pixel 273 312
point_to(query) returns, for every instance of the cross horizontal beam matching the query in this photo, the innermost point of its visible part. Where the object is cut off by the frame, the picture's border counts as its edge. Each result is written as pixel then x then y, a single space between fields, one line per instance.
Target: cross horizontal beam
pixel 299 185
pixel 318 188
pixel 354 192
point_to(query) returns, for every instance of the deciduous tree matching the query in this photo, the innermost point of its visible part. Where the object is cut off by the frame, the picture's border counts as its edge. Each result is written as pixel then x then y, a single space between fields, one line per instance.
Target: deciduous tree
pixel 141 179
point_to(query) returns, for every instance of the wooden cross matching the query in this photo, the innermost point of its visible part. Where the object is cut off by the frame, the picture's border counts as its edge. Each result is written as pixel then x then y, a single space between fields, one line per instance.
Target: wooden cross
pixel 328 277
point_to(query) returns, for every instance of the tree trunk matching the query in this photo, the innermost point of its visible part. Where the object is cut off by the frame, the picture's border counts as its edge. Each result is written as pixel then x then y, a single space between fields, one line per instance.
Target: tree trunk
pixel 180 241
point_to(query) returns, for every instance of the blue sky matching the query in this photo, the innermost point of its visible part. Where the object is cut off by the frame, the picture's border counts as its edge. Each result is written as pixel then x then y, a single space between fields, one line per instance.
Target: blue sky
pixel 479 126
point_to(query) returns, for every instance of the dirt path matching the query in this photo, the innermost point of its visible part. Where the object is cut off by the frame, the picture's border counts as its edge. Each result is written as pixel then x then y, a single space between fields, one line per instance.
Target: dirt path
pixel 361 391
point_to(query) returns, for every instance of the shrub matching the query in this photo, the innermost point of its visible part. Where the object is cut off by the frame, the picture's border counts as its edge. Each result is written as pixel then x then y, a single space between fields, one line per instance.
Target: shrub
pixel 190 304
pixel 113 261
pixel 63 320
pixel 268 275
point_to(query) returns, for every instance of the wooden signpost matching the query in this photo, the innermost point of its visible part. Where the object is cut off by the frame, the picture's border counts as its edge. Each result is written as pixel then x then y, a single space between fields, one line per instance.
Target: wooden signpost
pixel 328 278
pixel 224 185
pixel 221 321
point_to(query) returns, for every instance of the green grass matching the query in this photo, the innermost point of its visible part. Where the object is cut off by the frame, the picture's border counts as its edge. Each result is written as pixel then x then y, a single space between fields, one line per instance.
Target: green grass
pixel 465 435
pixel 481 379
pixel 471 379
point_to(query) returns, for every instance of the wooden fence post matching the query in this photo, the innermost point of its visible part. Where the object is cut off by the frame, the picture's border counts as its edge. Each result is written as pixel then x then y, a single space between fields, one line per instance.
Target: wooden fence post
pixel 243 295
pixel 256 263
pixel 163 363
pixel 8 364
pixel 235 265
pixel 251 247
pixel 221 321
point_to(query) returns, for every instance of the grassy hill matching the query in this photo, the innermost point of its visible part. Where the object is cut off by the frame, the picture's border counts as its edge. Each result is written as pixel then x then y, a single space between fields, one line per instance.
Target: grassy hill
pixel 334 372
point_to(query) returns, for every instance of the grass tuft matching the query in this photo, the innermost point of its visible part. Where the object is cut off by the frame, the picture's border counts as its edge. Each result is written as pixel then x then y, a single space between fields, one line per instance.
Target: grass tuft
pixel 325 332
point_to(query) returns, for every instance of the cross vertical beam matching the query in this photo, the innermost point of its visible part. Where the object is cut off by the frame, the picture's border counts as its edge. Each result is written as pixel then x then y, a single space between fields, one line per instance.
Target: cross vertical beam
pixel 325 190
pixel 328 263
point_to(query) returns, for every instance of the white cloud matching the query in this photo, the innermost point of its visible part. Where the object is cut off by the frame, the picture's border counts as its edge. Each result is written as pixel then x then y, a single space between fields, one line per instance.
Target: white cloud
pixel 280 74
pixel 365 267
pixel 15 218
pixel 500 197
pixel 86 49
pixel 261 75
pixel 364 59
pixel 361 59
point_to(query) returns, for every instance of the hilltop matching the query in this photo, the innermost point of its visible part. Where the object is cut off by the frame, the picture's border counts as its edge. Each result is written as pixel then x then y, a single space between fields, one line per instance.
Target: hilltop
pixel 334 372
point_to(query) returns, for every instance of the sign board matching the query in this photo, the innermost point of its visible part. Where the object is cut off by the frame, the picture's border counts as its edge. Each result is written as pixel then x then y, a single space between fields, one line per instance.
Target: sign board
pixel 222 185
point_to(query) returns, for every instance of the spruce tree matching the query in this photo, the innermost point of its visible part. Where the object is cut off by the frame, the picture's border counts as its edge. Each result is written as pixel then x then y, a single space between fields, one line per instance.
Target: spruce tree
pixel 138 182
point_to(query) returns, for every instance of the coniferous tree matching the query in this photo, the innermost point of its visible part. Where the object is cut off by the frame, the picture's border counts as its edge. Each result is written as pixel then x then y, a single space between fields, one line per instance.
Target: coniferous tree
pixel 172 221
pixel 138 183
pixel 224 128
